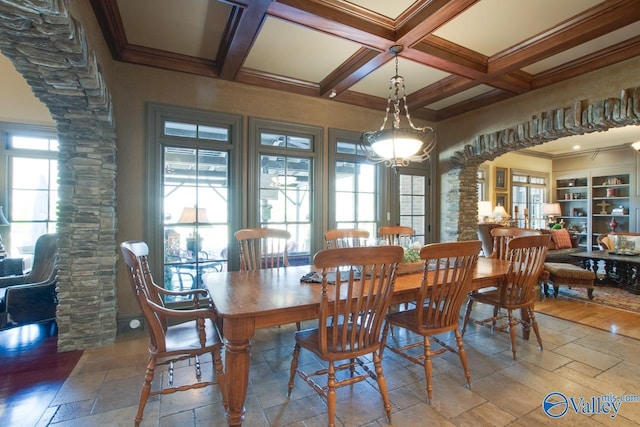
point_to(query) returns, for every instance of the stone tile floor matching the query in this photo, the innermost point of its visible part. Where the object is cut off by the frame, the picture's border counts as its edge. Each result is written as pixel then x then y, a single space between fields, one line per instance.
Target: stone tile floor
pixel 578 361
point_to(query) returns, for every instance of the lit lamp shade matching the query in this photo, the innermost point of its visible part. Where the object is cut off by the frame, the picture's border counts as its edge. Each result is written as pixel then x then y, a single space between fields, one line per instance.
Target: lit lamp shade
pixel 392 144
pixel 484 209
pixel 500 213
pixel 189 216
pixel 551 209
pixel 636 146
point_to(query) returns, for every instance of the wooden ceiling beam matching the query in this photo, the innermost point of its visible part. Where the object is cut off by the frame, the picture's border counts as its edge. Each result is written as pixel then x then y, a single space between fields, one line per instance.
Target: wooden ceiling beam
pixel 110 22
pixel 242 29
pixel 600 59
pixel 597 21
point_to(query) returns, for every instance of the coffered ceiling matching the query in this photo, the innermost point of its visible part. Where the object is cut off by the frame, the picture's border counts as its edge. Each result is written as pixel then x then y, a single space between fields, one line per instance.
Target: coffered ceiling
pixel 458 55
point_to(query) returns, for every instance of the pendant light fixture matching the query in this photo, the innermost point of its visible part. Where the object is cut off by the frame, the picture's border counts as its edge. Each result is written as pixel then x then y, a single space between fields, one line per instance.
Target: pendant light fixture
pixel 397 146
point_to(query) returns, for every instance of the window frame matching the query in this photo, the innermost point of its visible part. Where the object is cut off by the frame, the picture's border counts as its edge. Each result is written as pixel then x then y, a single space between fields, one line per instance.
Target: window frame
pixel 157 115
pixel 340 135
pixel 7 131
pixel 317 188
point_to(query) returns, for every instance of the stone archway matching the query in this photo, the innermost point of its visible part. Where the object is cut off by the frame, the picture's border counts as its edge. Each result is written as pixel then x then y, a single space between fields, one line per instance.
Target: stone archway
pixel 48 47
pixel 543 127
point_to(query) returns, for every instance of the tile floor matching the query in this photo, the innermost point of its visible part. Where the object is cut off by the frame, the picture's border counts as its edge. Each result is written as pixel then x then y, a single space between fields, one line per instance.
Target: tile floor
pixel 578 361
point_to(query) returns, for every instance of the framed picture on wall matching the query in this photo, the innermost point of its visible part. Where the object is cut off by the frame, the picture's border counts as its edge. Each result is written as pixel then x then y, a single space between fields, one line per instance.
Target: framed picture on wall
pixel 502 199
pixel 501 179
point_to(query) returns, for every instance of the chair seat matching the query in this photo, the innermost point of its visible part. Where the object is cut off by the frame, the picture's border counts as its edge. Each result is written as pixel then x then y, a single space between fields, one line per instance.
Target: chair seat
pixel 184 336
pixel 408 320
pixel 493 297
pixel 308 339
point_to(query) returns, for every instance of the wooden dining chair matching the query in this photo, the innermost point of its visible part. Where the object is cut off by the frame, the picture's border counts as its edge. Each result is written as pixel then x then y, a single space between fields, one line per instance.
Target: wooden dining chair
pixel 526 260
pixel 174 335
pixel 446 282
pixel 346 238
pixel 262 248
pixel 396 235
pixel 357 284
pixel 501 237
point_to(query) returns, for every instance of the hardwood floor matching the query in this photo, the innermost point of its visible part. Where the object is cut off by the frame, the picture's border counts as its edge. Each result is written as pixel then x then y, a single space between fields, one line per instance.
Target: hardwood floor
pixel 609 319
pixel 32 372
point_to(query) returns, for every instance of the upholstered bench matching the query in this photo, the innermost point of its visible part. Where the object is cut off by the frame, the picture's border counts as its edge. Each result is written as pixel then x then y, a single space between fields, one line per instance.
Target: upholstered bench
pixel 570 275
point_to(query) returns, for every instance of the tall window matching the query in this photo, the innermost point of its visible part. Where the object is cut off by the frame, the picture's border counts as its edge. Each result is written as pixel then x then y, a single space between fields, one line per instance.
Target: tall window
pixel 529 193
pixel 193 156
pixel 286 166
pixel 354 190
pixel 413 210
pixel 30 204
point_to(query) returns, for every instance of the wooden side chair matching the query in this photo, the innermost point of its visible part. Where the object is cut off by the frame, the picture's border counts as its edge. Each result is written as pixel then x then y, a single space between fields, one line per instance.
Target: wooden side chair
pixel 526 260
pixel 262 248
pixel 195 336
pixel 396 234
pixel 445 284
pixel 501 237
pixel 357 284
pixel 346 238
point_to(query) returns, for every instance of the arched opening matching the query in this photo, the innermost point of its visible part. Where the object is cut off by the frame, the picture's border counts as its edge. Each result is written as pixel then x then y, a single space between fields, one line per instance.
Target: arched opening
pixel 581 118
pixel 49 49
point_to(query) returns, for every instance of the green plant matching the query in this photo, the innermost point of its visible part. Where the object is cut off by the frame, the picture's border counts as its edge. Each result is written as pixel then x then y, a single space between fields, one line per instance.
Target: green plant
pixel 412 253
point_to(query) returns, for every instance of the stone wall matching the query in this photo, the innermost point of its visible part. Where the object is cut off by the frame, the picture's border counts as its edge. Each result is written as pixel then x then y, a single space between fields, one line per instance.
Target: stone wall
pixel 48 47
pixel 578 119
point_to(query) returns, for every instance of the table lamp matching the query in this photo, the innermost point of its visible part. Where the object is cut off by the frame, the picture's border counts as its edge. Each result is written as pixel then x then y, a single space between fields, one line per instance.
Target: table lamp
pixel 484 210
pixel 500 214
pixel 551 210
pixel 192 215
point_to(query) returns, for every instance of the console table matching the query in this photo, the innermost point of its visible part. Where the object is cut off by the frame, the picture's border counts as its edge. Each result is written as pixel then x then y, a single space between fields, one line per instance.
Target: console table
pixel 621 269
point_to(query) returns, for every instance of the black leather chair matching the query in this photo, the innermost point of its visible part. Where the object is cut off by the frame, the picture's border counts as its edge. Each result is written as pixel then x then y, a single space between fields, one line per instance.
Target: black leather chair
pixel 31 297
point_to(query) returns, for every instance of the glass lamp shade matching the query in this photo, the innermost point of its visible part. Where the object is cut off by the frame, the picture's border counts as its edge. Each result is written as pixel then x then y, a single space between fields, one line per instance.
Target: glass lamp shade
pixel 395 143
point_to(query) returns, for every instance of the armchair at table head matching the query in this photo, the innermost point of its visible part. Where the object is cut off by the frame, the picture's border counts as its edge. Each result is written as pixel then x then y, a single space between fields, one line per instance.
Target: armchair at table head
pixel 174 335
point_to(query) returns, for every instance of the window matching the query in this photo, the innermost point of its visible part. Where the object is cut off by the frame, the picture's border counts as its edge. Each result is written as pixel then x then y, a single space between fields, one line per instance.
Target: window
pixel 354 196
pixel 529 193
pixel 408 204
pixel 194 177
pixel 31 187
pixel 413 195
pixel 285 178
pixel 483 171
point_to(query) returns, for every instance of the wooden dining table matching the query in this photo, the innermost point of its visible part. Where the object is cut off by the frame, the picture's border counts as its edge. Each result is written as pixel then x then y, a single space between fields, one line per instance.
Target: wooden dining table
pixel 249 300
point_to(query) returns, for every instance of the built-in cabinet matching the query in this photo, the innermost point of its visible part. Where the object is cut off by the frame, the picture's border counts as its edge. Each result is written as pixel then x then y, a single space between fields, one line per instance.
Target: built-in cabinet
pixel 573 196
pixel 594 204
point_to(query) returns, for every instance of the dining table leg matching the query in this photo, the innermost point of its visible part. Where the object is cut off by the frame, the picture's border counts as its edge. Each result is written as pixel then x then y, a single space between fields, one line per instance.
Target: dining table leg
pixel 237 335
